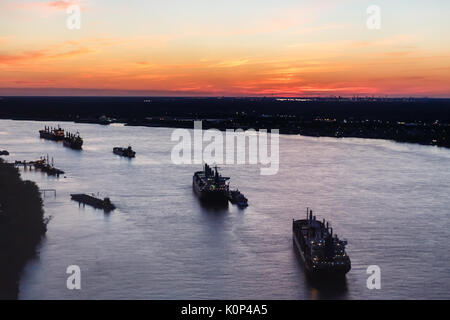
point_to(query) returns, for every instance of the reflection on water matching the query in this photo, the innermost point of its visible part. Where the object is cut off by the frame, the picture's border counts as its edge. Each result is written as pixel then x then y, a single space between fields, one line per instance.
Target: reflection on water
pixel 389 200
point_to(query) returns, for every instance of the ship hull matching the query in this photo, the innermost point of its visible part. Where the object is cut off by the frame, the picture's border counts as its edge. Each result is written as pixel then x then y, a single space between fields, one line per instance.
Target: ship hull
pixel 49 136
pixel 93 202
pixel 72 144
pixel 332 271
pixel 123 153
pixel 210 197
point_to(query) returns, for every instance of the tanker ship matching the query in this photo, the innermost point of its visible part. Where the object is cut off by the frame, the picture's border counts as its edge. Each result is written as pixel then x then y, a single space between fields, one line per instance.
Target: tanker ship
pixel 210 186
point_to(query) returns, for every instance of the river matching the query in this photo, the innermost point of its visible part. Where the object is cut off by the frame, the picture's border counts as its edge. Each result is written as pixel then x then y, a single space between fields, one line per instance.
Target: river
pixel 389 200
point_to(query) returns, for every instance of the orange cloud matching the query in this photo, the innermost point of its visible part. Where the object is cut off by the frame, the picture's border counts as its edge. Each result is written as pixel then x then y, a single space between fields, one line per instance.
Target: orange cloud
pixel 59 4
pixel 33 56
pixel 18 58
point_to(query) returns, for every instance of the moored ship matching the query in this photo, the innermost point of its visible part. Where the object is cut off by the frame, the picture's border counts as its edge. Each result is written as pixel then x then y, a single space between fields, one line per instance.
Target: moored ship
pixel 124 152
pixel 50 133
pixel 322 252
pixel 210 186
pixel 73 141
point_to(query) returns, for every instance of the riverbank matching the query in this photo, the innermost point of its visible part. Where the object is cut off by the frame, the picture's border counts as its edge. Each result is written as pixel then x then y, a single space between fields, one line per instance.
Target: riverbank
pixel 422 121
pixel 425 133
pixel 22 225
pixel 432 133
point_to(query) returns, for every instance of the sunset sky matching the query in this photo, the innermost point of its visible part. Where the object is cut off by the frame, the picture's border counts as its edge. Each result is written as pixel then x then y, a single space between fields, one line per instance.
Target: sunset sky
pixel 225 48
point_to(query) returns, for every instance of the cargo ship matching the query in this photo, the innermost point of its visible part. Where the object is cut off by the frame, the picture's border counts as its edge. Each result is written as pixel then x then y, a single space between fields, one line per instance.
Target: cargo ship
pixel 50 133
pixel 210 186
pixel 124 152
pixel 73 141
pixel 322 252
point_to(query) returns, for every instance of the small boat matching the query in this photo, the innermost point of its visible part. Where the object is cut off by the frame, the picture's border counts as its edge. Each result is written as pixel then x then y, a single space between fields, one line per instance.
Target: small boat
pixel 236 197
pixel 124 152
pixel 97 203
pixel 4 153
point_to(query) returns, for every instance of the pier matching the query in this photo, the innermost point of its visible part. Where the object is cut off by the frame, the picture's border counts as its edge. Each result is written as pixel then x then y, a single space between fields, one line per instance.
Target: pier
pixel 43 191
pixel 43 164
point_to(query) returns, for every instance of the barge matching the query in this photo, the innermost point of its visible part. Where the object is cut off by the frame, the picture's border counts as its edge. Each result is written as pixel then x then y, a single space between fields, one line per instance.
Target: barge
pixel 92 201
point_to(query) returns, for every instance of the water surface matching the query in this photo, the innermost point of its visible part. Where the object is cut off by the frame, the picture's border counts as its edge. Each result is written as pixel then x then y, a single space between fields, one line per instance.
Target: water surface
pixel 390 200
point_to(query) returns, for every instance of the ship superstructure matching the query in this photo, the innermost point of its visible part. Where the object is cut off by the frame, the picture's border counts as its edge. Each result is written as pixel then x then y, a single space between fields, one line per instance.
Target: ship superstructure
pixel 321 250
pixel 124 152
pixel 210 186
pixel 50 133
pixel 73 141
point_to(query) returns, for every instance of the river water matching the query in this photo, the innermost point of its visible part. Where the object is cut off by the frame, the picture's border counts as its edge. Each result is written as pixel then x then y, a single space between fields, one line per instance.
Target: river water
pixel 389 200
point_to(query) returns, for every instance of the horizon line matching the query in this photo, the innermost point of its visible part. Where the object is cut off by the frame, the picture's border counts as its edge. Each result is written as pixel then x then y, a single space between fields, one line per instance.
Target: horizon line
pixel 229 96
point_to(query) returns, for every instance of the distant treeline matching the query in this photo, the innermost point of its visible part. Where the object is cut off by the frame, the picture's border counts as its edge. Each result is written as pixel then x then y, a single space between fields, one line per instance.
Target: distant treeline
pixel 424 121
pixel 22 224
pixel 135 108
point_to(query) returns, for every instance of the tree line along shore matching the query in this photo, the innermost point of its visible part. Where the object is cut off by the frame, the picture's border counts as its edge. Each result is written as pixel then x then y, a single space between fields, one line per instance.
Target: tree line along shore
pixel 424 121
pixel 22 226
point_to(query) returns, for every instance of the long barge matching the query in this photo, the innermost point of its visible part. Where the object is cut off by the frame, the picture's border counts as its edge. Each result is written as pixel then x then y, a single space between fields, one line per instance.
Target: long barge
pixel 97 203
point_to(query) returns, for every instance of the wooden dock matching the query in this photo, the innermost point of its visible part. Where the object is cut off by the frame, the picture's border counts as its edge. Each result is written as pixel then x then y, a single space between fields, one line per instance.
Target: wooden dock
pixel 44 191
pixel 43 164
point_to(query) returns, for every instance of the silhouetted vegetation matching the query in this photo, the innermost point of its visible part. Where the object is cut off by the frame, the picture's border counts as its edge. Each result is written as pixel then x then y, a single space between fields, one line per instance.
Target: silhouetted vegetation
pixel 128 109
pixel 415 120
pixel 22 224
